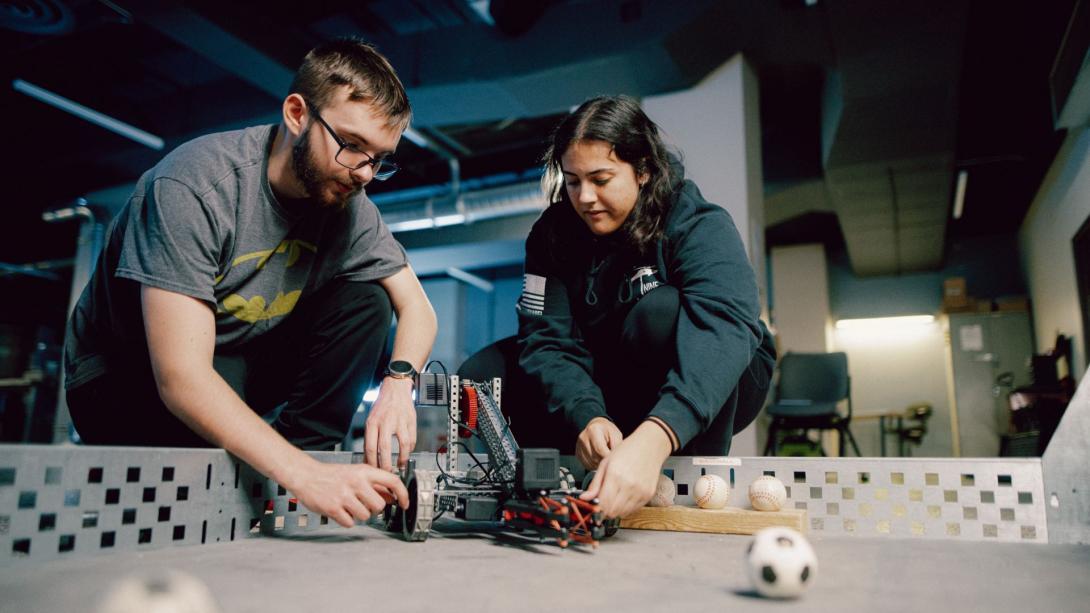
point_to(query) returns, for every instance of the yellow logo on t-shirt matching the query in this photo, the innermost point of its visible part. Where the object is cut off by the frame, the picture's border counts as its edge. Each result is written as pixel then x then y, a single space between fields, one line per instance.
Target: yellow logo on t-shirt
pixel 254 309
pixel 292 247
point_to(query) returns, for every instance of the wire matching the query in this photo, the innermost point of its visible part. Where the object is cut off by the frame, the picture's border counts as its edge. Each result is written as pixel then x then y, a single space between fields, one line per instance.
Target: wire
pixel 486 396
pixel 427 368
pixel 485 468
pixel 490 469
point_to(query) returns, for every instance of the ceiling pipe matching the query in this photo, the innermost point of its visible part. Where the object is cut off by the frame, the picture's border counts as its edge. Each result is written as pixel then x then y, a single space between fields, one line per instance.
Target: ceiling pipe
pixel 432 144
pixel 446 141
pixel 78 210
pixel 471 279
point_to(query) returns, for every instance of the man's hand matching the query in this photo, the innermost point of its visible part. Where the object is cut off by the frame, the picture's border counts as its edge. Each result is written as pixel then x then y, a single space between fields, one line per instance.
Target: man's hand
pixel 181 340
pixel 596 441
pixel 393 414
pixel 346 492
pixel 627 477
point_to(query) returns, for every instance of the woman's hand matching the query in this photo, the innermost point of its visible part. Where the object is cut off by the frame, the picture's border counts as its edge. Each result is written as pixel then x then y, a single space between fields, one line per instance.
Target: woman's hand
pixel 627 477
pixel 596 441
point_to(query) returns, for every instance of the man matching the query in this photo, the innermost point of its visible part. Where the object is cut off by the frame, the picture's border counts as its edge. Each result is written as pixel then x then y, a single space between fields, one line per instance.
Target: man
pixel 244 295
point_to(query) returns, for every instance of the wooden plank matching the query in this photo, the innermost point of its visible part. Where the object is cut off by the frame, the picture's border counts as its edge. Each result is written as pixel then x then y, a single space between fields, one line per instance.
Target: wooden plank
pixel 724 521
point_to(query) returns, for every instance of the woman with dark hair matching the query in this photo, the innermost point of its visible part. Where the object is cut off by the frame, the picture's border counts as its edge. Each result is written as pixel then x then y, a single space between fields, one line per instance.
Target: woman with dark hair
pixel 639 318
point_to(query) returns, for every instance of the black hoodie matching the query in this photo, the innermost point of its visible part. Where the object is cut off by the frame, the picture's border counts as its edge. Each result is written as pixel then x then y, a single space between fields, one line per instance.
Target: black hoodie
pixel 578 288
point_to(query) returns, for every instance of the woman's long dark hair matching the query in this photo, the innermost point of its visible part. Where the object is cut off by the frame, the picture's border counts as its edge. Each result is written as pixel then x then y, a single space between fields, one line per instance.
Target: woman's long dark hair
pixel 619 121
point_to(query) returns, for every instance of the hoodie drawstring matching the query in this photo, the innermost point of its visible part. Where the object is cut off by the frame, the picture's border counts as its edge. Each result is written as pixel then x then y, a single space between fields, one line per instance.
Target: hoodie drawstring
pixel 590 297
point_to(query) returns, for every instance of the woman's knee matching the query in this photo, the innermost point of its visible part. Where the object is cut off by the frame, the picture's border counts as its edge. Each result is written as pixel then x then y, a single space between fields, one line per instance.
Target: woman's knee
pixel 651 325
pixel 752 392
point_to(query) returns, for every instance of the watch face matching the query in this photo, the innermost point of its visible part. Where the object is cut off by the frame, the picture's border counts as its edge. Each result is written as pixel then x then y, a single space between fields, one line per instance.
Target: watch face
pixel 401 368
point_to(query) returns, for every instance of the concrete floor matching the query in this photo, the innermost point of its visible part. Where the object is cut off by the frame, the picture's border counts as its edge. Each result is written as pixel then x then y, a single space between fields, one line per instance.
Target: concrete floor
pixel 463 568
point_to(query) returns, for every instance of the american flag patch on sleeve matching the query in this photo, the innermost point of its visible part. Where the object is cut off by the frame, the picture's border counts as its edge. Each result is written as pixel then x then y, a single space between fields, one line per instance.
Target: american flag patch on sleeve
pixel 532 301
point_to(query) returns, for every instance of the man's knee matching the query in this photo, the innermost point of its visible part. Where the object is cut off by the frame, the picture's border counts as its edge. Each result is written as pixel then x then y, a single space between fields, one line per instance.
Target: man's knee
pixel 347 308
pixel 367 297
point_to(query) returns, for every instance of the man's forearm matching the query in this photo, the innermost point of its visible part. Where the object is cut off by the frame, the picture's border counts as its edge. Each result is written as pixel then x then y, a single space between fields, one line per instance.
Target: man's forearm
pixel 208 405
pixel 416 329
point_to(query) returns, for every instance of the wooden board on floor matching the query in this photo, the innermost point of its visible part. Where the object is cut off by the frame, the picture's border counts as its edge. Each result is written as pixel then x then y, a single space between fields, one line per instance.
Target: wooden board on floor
pixel 725 521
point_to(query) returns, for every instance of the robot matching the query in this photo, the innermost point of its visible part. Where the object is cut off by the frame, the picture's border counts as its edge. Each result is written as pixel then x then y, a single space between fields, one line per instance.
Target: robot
pixel 524 489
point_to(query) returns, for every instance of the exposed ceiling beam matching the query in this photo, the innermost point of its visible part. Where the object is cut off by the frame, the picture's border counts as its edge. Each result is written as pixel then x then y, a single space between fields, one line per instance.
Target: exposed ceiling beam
pixel 217 45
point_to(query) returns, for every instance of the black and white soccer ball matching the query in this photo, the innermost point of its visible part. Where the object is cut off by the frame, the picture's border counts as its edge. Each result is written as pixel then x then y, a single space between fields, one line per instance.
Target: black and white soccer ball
pixel 159 592
pixel 781 563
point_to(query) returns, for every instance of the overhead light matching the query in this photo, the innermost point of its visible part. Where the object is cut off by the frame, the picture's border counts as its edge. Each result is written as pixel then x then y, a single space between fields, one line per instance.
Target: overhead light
pixel 104 121
pixel 959 194
pixel 884 323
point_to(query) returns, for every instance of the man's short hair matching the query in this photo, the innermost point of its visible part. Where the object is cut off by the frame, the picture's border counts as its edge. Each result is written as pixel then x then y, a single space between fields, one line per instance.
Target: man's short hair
pixel 352 62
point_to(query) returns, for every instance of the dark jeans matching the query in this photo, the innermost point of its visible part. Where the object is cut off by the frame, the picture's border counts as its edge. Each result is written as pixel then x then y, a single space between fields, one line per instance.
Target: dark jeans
pixel 307 377
pixel 630 376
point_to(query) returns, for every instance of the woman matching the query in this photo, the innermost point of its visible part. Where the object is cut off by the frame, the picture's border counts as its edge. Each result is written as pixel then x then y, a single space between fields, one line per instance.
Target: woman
pixel 638 321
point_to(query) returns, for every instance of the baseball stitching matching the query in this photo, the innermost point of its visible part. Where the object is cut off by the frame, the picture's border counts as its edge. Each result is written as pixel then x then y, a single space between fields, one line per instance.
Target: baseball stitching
pixel 707 493
pixel 765 500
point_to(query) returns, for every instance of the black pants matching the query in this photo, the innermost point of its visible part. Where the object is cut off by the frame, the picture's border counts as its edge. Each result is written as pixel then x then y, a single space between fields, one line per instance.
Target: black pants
pixel 630 375
pixel 306 377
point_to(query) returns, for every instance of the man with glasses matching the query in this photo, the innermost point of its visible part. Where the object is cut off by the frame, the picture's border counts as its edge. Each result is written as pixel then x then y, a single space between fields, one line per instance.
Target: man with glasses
pixel 245 293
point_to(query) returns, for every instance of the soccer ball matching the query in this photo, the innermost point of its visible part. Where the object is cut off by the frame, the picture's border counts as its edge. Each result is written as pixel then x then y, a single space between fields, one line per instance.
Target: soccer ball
pixel 781 563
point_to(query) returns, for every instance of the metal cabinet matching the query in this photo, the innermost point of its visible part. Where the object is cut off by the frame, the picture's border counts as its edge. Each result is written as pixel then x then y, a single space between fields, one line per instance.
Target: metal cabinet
pixel 983 346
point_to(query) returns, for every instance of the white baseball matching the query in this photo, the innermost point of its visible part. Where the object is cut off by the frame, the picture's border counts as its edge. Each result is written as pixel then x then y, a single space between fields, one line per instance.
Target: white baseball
pixel 767 493
pixel 664 492
pixel 711 492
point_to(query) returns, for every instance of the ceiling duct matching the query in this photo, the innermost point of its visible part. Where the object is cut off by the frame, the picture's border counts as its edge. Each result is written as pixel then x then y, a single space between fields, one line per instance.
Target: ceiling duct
pixel 41 17
pixel 892 194
pixel 419 210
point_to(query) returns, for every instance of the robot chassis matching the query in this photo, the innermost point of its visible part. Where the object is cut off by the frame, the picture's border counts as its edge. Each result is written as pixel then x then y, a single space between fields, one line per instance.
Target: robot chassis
pixel 524 489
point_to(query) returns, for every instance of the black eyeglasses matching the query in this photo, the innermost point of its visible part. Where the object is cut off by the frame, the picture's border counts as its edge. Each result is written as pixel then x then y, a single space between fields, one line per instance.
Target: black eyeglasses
pixel 352 158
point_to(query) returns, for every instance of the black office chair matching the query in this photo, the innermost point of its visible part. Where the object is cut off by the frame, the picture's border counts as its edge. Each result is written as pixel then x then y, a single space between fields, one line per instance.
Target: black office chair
pixel 810 389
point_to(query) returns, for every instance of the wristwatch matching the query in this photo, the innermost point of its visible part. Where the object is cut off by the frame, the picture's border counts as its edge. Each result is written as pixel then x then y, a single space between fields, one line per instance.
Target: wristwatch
pixel 400 369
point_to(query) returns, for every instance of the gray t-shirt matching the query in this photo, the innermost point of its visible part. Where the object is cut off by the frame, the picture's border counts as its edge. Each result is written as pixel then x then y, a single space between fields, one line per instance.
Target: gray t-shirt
pixel 205 223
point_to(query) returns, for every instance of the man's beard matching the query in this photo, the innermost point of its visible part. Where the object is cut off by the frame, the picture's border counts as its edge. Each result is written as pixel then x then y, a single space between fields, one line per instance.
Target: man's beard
pixel 314 183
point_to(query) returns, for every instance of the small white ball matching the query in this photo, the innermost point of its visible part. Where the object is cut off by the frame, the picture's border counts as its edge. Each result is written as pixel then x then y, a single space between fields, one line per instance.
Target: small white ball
pixel 711 492
pixel 767 493
pixel 664 492
pixel 781 563
pixel 169 592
